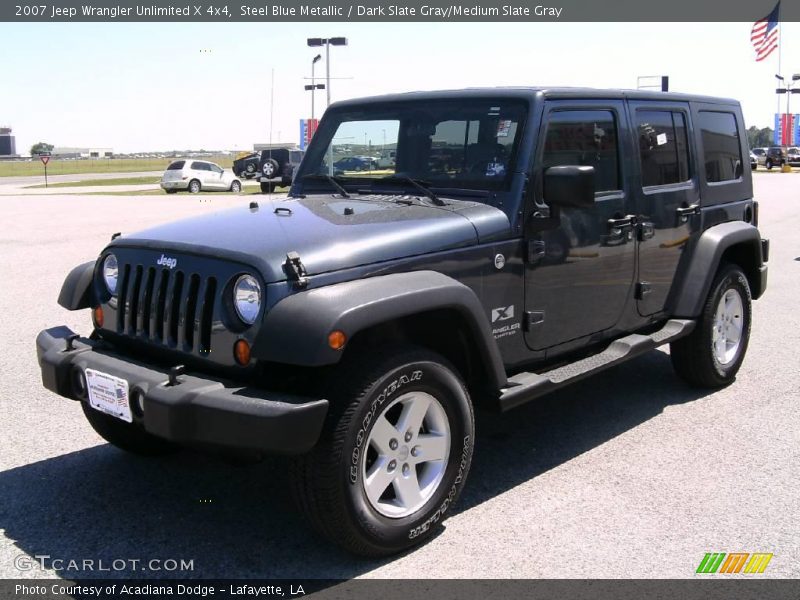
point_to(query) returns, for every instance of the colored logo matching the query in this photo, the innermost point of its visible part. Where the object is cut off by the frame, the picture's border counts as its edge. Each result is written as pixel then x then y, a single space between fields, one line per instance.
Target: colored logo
pixel 734 562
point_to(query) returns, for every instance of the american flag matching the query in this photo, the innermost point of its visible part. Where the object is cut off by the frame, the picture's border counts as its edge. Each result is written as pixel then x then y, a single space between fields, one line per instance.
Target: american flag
pixel 764 35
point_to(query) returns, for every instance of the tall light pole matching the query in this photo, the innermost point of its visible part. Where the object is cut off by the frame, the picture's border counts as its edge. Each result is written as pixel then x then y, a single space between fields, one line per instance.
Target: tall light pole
pixel 314 86
pixel 327 42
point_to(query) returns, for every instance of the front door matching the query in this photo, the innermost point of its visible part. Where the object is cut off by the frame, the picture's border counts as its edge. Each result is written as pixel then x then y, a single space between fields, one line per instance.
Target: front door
pixel 581 261
pixel 667 197
pixel 216 177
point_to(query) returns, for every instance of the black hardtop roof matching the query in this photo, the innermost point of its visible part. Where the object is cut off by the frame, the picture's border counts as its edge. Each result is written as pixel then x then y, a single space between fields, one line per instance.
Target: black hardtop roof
pixel 530 93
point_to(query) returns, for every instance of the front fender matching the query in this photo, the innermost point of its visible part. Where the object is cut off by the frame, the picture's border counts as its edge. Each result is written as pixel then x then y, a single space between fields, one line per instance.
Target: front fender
pixel 705 259
pixel 76 291
pixel 296 330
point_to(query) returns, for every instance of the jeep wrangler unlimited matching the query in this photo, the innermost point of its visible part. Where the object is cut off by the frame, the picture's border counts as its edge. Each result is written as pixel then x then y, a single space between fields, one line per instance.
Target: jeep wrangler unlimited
pixel 522 240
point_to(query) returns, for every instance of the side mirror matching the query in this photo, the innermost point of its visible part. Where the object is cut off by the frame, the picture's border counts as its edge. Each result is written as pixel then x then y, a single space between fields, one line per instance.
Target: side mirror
pixel 569 186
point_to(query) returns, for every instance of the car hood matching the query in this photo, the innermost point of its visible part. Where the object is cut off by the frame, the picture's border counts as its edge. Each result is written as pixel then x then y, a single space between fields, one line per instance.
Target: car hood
pixel 328 232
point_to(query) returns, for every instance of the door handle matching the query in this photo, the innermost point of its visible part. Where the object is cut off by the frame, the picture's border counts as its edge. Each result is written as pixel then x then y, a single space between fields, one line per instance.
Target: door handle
pixel 622 221
pixel 684 212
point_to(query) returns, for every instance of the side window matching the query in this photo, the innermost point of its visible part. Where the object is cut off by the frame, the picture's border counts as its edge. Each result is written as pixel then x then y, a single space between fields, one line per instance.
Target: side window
pixel 721 147
pixel 197 166
pixel 584 137
pixel 215 168
pixel 663 147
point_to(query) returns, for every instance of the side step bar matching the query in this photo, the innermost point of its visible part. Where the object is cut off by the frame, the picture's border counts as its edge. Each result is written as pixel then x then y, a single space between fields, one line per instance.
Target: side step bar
pixel 527 386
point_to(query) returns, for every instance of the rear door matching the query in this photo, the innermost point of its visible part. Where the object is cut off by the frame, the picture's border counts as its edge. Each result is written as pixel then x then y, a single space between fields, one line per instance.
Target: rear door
pixel 199 171
pixel 667 197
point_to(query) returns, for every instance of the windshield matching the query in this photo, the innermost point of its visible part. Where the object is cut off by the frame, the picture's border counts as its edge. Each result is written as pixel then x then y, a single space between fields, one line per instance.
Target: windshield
pixel 467 144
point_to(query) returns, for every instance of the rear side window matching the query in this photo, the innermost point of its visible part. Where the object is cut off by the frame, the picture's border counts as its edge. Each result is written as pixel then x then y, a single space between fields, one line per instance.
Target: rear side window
pixel 721 147
pixel 584 137
pixel 176 166
pixel 663 147
pixel 200 166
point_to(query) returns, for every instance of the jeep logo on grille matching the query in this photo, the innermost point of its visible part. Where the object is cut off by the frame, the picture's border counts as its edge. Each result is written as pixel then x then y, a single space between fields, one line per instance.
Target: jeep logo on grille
pixel 165 261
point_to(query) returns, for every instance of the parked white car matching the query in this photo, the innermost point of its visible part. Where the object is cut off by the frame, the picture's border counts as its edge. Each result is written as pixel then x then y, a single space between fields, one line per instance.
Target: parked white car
pixel 198 176
pixel 387 159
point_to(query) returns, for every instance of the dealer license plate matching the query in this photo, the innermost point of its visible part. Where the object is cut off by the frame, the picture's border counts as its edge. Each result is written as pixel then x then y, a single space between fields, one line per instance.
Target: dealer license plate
pixel 108 394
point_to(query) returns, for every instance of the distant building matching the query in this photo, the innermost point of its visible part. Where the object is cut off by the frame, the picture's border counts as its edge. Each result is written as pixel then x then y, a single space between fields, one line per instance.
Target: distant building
pixel 8 145
pixel 66 152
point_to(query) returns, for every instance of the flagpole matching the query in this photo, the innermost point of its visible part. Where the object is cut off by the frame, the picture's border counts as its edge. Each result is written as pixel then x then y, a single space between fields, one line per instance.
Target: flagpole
pixel 780 49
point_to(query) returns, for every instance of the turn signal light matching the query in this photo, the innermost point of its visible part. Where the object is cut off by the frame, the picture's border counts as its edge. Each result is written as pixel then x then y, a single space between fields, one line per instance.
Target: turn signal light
pixel 241 350
pixel 97 314
pixel 337 339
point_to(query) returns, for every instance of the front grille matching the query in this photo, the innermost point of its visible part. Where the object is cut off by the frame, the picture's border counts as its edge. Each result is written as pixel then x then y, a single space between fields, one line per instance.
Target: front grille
pixel 171 308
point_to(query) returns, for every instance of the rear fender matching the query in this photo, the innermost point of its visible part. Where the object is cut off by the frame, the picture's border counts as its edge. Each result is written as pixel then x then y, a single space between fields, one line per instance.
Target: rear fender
pixel 735 236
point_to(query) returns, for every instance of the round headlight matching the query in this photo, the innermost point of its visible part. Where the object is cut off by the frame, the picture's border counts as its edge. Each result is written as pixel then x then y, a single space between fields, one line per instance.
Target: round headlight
pixel 247 298
pixel 111 273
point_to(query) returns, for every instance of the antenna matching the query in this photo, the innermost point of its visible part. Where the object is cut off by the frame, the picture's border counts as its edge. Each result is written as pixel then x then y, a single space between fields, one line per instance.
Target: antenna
pixel 271 113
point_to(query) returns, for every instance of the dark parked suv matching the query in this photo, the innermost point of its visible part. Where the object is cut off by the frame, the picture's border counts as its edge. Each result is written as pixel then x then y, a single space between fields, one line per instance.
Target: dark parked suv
pixel 523 239
pixel 776 157
pixel 273 167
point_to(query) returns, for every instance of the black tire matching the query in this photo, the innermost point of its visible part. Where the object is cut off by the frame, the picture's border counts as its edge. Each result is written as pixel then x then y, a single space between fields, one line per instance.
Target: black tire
pixel 328 482
pixel 126 436
pixel 194 186
pixel 267 187
pixel 236 187
pixel 768 164
pixel 250 168
pixel 693 356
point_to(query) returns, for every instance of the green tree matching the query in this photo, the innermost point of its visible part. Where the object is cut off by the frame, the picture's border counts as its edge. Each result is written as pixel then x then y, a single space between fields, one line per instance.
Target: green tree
pixel 41 147
pixel 759 138
pixel 766 137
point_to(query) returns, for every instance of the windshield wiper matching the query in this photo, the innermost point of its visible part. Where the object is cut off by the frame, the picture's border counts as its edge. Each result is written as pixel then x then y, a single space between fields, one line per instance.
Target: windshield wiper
pixel 422 186
pixel 330 179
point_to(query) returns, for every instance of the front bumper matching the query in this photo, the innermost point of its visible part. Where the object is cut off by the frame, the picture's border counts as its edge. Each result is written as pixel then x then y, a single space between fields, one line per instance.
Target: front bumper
pixel 197 411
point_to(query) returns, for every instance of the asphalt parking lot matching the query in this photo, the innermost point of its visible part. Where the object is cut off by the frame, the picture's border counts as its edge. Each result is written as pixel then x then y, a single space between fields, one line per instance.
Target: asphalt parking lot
pixel 628 474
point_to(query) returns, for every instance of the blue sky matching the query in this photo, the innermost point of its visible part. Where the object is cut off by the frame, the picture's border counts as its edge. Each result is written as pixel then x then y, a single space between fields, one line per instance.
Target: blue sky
pixel 137 87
